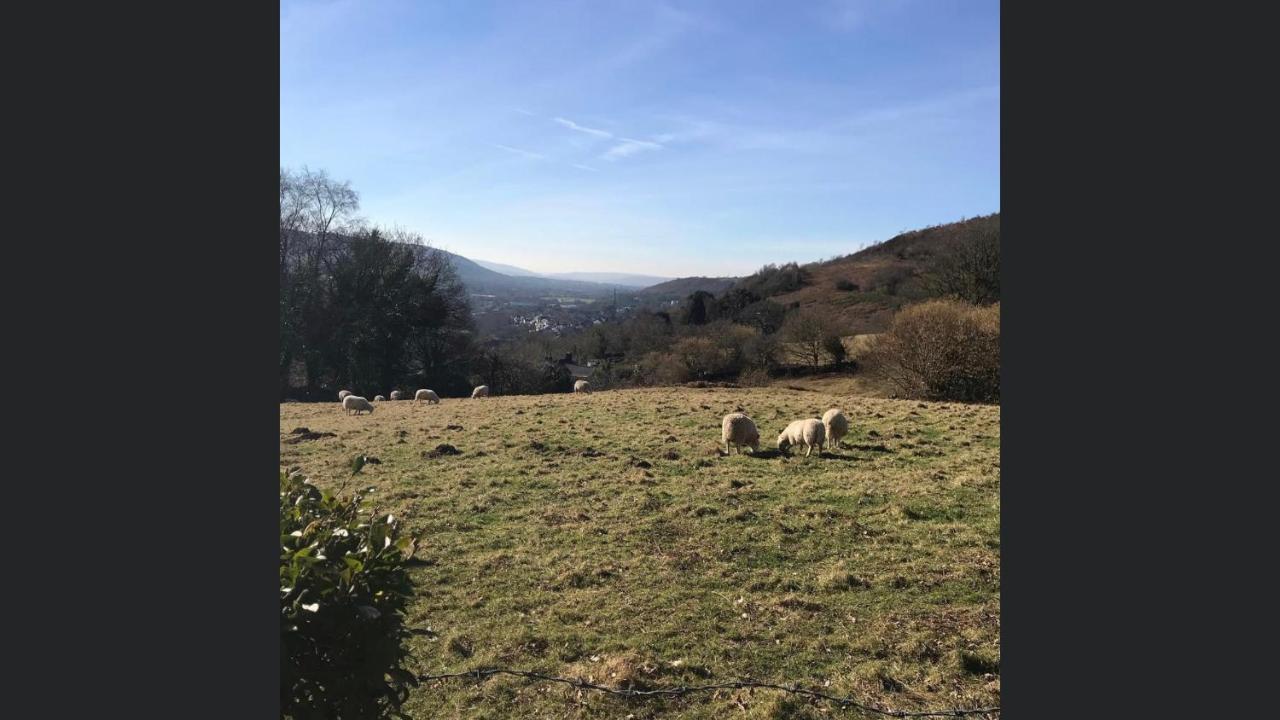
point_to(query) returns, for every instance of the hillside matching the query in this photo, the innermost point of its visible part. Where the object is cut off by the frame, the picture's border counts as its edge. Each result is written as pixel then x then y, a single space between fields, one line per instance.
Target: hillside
pixel 482 280
pixel 681 288
pixel 606 537
pixel 511 270
pixel 621 280
pixel 887 275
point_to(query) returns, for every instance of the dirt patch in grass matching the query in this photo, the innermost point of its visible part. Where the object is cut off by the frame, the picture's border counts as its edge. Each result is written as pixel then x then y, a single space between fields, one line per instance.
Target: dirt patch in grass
pixel 303 434
pixel 442 450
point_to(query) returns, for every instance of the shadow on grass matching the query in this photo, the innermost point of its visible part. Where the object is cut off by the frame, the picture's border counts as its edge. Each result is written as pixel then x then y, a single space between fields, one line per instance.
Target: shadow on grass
pixel 774 454
pixel 764 454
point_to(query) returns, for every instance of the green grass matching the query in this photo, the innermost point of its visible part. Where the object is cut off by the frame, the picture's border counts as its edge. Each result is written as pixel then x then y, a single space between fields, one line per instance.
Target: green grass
pixel 547 545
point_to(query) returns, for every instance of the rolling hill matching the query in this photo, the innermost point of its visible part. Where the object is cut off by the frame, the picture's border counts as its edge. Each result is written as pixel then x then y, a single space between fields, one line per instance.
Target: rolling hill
pixel 865 288
pixel 683 287
pixel 482 280
pixel 511 270
pixel 621 280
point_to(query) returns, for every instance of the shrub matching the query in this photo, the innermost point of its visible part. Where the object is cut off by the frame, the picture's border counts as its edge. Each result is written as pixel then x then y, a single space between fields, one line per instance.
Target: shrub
pixel 892 278
pixel 766 316
pixel 658 368
pixel 835 349
pixel 846 285
pixel 343 591
pixel 774 280
pixel 942 350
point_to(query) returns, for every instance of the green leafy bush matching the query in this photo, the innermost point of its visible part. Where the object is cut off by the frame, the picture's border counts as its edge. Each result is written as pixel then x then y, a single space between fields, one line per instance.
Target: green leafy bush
pixel 343 591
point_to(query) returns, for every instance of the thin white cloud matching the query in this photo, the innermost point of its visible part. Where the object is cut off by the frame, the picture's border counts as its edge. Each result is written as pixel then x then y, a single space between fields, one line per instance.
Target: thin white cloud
pixel 629 147
pixel 590 131
pixel 522 111
pixel 518 151
pixel 584 167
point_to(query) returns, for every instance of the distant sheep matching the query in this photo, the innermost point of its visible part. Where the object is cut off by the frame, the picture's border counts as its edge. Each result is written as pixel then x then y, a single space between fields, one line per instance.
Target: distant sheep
pixel 378 398
pixel 429 395
pixel 836 426
pixel 482 391
pixel 582 386
pixel 809 433
pixel 357 404
pixel 736 430
pixel 343 394
pixel 397 395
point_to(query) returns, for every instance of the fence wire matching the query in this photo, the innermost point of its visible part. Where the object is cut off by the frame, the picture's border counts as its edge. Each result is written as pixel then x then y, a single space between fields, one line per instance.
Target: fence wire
pixel 842 702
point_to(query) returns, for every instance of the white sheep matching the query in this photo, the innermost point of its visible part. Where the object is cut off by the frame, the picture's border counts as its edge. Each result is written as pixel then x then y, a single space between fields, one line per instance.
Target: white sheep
pixel 342 394
pixel 482 391
pixel 397 395
pixel 429 395
pixel 836 426
pixel 378 398
pixel 809 433
pixel 582 386
pixel 736 430
pixel 356 403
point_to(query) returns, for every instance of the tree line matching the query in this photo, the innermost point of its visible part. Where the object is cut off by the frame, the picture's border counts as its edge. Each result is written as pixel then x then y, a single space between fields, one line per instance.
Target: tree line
pixel 362 307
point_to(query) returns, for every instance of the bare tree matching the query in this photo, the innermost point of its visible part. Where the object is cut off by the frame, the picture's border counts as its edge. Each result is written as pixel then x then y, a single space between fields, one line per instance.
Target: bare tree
pixel 810 333
pixel 971 270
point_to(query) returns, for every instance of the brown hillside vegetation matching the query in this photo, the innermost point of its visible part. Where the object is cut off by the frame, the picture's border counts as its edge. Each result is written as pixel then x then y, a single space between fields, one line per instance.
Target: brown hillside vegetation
pixel 683 287
pixel 883 277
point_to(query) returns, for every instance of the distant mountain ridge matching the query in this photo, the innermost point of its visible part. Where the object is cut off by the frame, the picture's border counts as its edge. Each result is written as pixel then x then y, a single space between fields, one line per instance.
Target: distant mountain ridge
pixel 481 280
pixel 511 270
pixel 628 280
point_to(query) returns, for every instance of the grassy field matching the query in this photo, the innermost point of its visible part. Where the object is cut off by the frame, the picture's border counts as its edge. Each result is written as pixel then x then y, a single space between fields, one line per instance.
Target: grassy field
pixel 605 536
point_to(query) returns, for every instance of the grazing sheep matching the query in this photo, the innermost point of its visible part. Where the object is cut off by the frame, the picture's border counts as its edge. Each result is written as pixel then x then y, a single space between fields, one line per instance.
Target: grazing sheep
pixel 482 391
pixel 356 403
pixel 343 394
pixel 809 433
pixel 397 395
pixel 582 386
pixel 737 430
pixel 836 426
pixel 378 398
pixel 429 395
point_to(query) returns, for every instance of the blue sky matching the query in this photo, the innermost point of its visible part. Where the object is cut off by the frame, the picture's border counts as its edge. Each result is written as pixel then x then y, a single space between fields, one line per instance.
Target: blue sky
pixel 669 138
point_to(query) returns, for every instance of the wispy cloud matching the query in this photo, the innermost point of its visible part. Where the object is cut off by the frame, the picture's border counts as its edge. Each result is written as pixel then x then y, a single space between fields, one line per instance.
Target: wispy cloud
pixel 584 167
pixel 624 147
pixel 590 131
pixel 522 111
pixel 518 151
pixel 629 147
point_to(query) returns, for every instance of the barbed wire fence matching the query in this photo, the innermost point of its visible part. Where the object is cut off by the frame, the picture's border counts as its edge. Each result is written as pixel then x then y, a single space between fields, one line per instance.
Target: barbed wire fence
pixel 844 703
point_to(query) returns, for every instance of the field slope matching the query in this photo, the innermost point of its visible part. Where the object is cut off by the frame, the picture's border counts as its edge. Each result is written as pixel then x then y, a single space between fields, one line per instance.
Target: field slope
pixel 605 537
